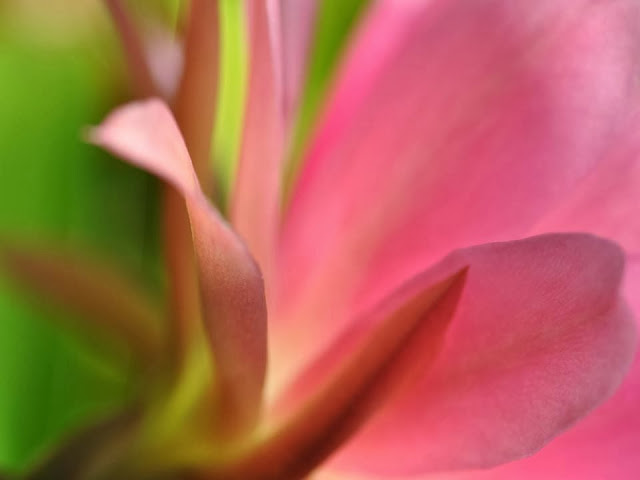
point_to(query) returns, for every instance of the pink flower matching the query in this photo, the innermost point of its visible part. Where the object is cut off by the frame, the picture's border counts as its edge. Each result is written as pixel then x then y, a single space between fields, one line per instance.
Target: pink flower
pixel 422 312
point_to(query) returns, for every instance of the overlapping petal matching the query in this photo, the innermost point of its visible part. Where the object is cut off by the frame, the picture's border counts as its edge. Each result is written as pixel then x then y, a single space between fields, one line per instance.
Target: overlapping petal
pixel 146 135
pixel 604 445
pixel 540 336
pixel 408 165
pixel 255 208
pixel 349 382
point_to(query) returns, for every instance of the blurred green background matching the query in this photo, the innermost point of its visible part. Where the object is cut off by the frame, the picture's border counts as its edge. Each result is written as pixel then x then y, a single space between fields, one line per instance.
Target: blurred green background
pixel 60 70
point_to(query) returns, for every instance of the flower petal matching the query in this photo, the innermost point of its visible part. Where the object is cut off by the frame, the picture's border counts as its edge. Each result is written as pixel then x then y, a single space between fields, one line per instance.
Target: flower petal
pixel 297 30
pixel 146 135
pixel 632 282
pixel 352 379
pixel 435 140
pixel 196 98
pixel 539 337
pixel 166 58
pixel 603 446
pixel 607 202
pixel 255 209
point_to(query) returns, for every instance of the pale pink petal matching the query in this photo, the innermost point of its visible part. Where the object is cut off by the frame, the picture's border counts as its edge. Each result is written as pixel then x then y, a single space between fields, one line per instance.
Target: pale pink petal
pixel 454 123
pixel 632 282
pixel 602 446
pixel 298 18
pixel 146 135
pixel 540 336
pixel 255 205
pixel 165 56
pixel 607 202
pixel 196 98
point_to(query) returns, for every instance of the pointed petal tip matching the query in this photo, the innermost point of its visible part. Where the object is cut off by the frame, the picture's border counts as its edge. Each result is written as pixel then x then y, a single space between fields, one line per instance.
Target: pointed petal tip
pixel 146 134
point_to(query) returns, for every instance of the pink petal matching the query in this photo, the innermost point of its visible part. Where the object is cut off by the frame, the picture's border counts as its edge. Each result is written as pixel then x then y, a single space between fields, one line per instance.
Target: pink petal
pixel 255 209
pixel 196 98
pixel 607 202
pixel 632 282
pixel 166 58
pixel 146 135
pixel 603 446
pixel 297 30
pixel 539 338
pixel 453 124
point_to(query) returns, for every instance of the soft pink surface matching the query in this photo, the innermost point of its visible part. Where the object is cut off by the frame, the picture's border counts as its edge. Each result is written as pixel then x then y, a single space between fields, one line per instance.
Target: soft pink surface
pixel 298 27
pixel 539 337
pixel 632 282
pixel 607 202
pixel 146 135
pixel 255 203
pixel 604 446
pixel 453 124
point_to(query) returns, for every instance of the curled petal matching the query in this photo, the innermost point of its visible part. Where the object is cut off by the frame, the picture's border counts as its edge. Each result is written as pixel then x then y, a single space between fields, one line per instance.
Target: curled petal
pixel 603 445
pixel 539 338
pixel 232 291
